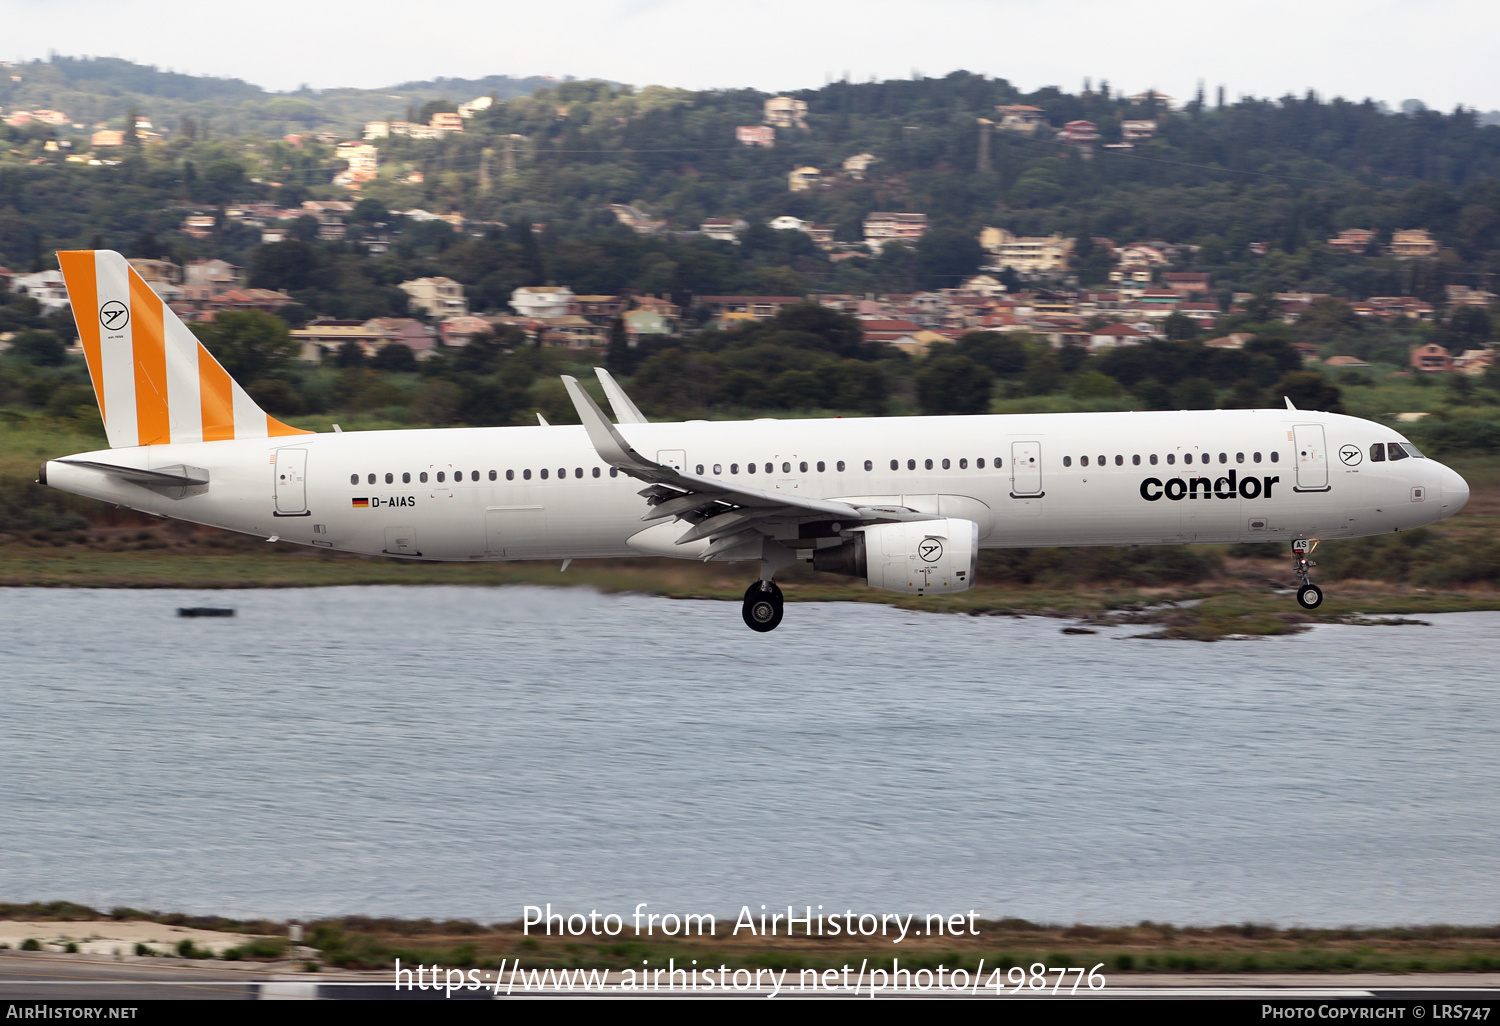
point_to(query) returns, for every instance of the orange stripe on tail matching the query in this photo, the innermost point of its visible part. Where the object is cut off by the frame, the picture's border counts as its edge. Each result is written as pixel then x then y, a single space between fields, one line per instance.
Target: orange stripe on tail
pixel 149 337
pixel 216 397
pixel 83 293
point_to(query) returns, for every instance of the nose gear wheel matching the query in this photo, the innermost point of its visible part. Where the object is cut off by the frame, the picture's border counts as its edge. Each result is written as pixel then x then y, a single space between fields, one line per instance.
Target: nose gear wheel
pixel 1309 595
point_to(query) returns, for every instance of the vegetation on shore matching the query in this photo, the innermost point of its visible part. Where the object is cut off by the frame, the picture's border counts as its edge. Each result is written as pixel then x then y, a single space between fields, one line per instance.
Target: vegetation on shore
pixel 1205 592
pixel 360 942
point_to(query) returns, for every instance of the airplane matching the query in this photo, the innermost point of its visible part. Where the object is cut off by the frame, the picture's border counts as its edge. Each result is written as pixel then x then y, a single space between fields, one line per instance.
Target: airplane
pixel 906 503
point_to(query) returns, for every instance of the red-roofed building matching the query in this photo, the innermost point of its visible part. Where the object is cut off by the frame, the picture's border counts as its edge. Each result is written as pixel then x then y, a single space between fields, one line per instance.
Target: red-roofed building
pixel 1113 336
pixel 1079 133
pixel 888 330
pixel 1185 283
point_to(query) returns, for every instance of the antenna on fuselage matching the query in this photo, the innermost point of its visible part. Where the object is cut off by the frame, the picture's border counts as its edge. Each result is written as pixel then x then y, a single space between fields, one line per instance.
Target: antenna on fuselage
pixel 1288 400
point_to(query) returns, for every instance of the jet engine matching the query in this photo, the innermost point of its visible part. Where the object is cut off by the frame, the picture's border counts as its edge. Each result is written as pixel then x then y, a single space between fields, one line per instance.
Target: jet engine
pixel 921 557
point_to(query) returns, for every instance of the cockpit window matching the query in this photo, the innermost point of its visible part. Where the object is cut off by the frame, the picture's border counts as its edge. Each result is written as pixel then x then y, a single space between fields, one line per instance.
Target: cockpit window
pixel 1397 453
pixel 1413 450
pixel 1377 452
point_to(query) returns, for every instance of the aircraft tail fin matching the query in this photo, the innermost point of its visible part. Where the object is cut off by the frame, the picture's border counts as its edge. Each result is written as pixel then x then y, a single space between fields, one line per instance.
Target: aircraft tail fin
pixel 155 382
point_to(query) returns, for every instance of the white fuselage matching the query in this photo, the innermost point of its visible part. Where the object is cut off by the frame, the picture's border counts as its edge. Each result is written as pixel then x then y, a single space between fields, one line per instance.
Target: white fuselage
pixel 1027 480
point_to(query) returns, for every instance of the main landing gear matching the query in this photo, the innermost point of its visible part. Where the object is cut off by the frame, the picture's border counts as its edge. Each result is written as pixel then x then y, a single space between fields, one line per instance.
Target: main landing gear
pixel 762 610
pixel 1309 595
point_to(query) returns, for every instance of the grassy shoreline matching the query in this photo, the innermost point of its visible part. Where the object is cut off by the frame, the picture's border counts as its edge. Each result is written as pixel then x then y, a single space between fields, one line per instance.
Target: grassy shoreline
pixel 1247 599
pixel 360 942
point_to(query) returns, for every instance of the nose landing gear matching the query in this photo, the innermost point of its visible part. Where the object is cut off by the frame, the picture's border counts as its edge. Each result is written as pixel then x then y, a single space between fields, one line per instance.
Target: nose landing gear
pixel 763 606
pixel 1309 595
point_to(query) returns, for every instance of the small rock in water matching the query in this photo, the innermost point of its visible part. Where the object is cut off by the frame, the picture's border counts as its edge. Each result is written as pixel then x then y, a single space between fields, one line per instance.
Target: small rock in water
pixel 1079 630
pixel 203 611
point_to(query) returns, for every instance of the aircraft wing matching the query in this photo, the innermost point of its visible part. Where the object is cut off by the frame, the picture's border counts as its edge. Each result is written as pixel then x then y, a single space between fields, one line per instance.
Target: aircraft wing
pixel 727 513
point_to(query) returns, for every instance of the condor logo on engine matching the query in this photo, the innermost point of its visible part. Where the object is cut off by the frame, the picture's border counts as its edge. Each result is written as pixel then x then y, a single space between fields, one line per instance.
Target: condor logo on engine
pixel 931 550
pixel 1226 487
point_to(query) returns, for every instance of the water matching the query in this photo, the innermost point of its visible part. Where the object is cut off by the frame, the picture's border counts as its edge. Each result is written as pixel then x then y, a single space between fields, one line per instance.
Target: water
pixel 463 752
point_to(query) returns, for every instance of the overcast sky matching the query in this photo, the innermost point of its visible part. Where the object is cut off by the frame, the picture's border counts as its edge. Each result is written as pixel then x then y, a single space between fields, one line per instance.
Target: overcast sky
pixel 1443 52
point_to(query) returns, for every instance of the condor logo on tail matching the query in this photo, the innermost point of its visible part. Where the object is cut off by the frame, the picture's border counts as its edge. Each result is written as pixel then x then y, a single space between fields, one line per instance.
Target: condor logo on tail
pixel 155 382
pixel 1230 486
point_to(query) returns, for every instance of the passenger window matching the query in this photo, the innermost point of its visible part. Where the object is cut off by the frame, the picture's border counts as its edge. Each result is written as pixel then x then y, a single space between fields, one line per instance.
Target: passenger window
pixel 1067 461
pixel 946 464
pixel 963 464
pixel 544 474
pixel 979 463
pixel 912 464
pixel 493 475
pixel 699 470
pixel 458 475
pixel 510 475
pixel 1377 452
pixel 1187 457
pixel 1397 453
pixel 1101 461
pixel 1135 460
pixel 614 471
pixel 440 477
pixel 406 479
pixel 1255 457
pixel 1119 461
pixel 390 478
pixel 734 468
pixel 1239 457
pixel 354 479
pixel 422 477
pixel 371 479
pixel 1275 457
pixel 1153 459
pixel 999 463
pixel 869 464
pixel 803 466
pixel 927 465
pixel 1171 458
pixel 895 465
pixel 749 468
pixel 578 471
pixel 768 468
pixel 1083 461
pixel 1223 457
pixel 562 473
pixel 596 471
pixel 786 468
pixel 718 468
pixel 474 475
pixel 839 466
pixel 526 474
pixel 821 466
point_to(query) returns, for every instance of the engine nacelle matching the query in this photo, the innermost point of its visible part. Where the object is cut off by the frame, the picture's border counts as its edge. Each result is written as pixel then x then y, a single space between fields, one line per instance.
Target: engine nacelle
pixel 921 557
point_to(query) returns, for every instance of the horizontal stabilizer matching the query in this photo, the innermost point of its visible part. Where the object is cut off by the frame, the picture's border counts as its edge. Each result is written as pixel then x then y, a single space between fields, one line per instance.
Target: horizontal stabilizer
pixel 178 476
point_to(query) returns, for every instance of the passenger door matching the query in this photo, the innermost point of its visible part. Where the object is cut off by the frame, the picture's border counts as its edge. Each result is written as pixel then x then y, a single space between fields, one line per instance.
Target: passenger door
pixel 1025 469
pixel 1312 459
pixel 291 482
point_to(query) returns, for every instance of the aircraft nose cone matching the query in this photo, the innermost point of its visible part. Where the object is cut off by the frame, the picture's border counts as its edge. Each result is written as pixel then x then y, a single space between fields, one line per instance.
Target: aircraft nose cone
pixel 1455 491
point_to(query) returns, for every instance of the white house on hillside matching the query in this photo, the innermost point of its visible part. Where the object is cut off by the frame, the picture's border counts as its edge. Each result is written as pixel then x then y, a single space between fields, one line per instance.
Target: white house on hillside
pixel 542 301
pixel 440 297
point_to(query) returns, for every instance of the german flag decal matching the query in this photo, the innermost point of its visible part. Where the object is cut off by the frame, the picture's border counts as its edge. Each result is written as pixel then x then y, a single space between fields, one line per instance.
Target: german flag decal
pixel 361 503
